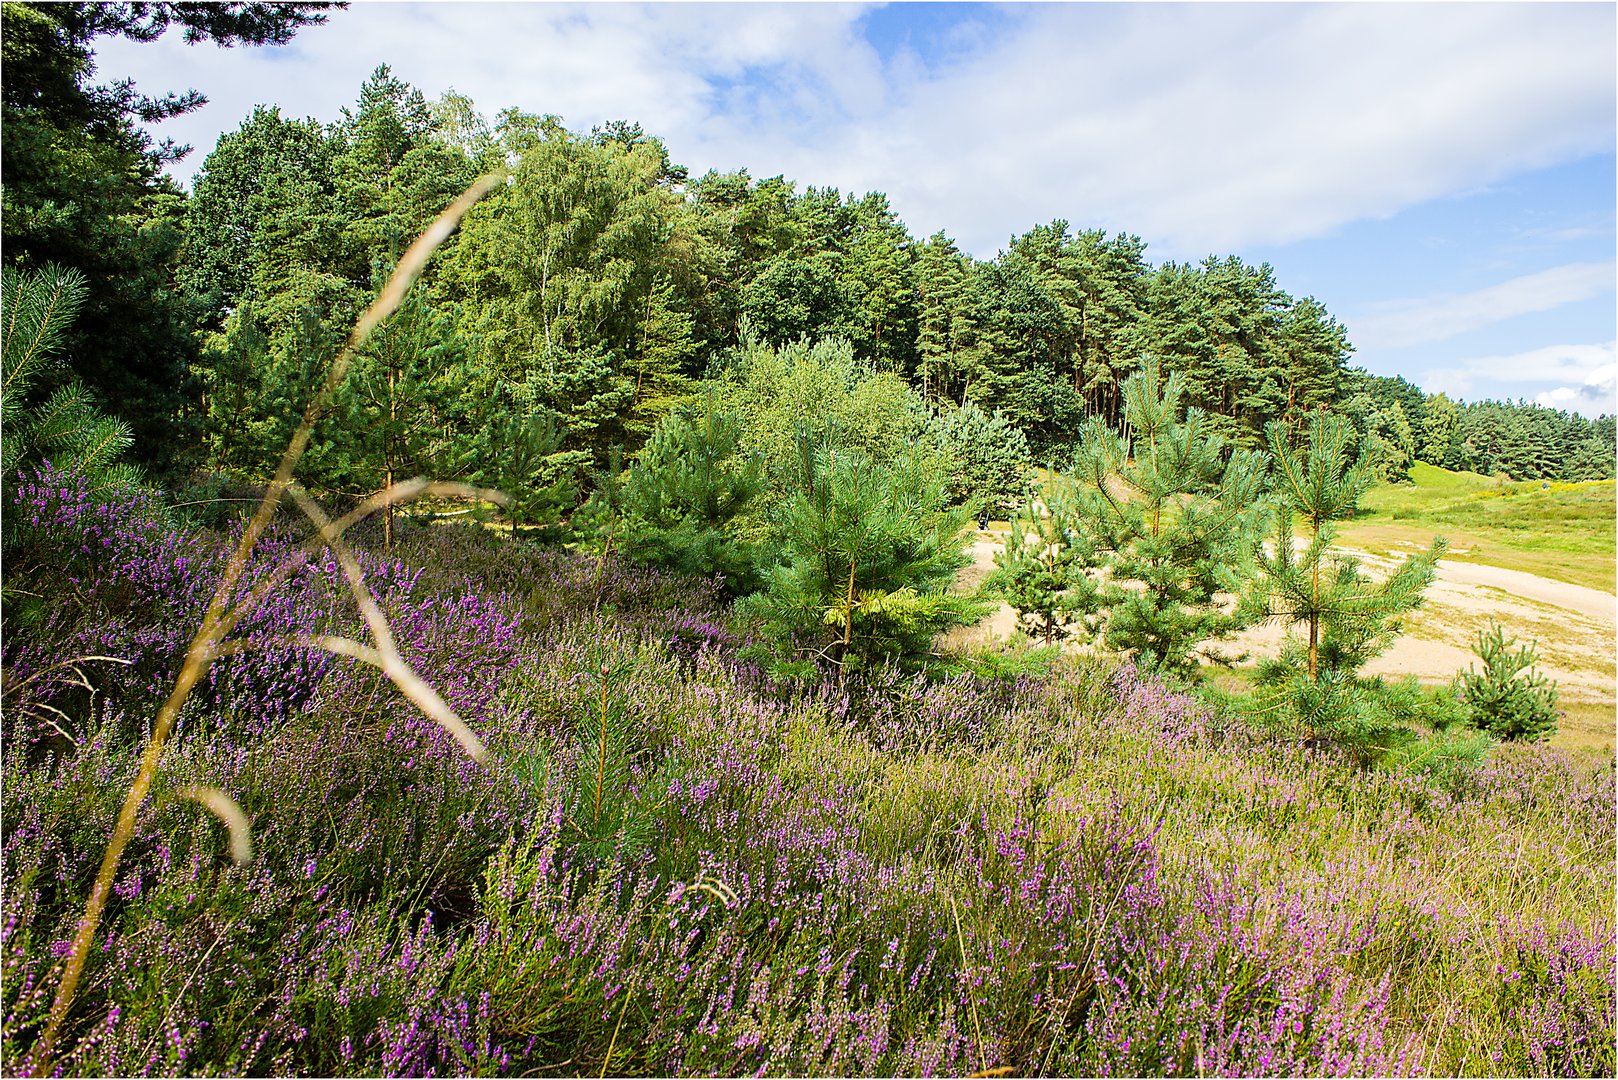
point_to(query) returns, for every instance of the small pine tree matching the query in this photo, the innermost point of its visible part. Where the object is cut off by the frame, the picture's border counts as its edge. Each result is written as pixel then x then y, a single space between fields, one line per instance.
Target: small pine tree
pixel 518 453
pixel 1350 619
pixel 392 410
pixel 685 494
pixel 1165 518
pixel 1041 573
pixel 868 553
pixel 1509 698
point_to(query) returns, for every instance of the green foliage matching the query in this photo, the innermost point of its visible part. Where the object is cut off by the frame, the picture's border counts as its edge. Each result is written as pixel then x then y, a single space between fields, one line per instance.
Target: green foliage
pixel 563 279
pixel 988 458
pixel 1441 748
pixel 1249 352
pixel 773 393
pixel 1167 520
pixel 1509 698
pixel 264 211
pixel 868 552
pixel 1040 570
pixel 604 281
pixel 68 428
pixel 84 189
pixel 947 320
pixel 1003 662
pixel 1385 431
pixel 685 493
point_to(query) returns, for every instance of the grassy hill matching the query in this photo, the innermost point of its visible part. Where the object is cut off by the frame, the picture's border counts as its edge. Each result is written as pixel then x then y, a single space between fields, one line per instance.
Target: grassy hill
pixel 1561 531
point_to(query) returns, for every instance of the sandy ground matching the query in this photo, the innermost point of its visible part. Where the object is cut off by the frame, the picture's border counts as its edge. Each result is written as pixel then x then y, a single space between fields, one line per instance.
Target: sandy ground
pixel 1574 626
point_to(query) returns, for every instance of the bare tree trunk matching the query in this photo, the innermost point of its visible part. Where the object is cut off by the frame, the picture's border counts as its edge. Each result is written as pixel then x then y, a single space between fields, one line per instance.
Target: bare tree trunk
pixel 848 615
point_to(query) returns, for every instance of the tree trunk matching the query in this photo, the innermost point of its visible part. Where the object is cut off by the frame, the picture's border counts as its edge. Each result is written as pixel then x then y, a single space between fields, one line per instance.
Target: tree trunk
pixel 848 615
pixel 1314 645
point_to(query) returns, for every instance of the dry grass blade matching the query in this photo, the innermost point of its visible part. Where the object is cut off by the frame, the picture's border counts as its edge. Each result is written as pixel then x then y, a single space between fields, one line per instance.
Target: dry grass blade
pixel 977 1026
pixel 399 493
pixel 386 654
pixel 215 621
pixel 419 488
pixel 73 665
pixel 230 814
pixel 78 678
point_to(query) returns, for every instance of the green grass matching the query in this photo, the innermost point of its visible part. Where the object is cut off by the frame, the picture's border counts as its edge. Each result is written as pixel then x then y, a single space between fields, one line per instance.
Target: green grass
pixel 1556 530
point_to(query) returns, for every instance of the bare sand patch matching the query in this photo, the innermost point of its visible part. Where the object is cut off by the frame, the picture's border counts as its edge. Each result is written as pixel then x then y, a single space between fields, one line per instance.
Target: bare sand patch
pixel 1576 627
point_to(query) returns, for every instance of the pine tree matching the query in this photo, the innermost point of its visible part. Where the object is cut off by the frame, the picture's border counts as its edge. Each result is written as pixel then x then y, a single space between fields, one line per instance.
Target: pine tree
pixel 1165 518
pixel 1509 698
pixel 392 412
pixel 1350 619
pixel 1040 573
pixel 947 332
pixel 686 492
pixel 517 450
pixel 868 553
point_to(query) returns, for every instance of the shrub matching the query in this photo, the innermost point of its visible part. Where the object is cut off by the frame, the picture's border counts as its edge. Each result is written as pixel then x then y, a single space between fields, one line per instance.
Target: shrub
pixel 988 458
pixel 1509 698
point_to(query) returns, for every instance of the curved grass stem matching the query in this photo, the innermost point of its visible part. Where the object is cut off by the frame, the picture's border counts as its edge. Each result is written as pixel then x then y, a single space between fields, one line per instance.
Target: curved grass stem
pixel 218 621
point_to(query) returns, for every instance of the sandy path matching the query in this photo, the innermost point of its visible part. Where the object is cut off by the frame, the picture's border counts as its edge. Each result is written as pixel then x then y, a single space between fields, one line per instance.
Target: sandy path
pixel 1593 603
pixel 1575 626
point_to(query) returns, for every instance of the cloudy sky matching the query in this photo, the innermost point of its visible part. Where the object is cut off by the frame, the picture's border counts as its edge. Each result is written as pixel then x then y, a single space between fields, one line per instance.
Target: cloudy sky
pixel 1440 176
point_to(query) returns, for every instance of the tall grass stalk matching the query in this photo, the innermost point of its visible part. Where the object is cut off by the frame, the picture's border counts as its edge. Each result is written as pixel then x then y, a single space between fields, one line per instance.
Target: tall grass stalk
pixel 219 618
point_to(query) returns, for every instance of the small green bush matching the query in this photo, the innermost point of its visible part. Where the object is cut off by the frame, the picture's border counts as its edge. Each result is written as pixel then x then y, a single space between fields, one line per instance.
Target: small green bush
pixel 1509 698
pixel 988 458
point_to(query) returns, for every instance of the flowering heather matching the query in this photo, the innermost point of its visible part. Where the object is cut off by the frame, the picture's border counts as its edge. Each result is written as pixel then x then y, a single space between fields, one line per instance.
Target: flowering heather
pixel 671 864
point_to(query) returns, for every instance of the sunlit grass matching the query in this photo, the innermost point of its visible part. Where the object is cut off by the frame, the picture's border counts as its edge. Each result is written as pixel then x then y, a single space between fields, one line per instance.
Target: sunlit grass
pixel 1561 531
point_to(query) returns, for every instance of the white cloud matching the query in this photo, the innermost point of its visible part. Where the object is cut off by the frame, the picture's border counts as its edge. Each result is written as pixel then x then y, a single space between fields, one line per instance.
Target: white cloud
pixel 1200 127
pixel 1590 399
pixel 1582 378
pixel 1437 318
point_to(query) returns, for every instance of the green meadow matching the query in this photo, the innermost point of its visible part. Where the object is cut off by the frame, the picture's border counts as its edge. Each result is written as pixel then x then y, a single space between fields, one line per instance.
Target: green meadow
pixel 1562 531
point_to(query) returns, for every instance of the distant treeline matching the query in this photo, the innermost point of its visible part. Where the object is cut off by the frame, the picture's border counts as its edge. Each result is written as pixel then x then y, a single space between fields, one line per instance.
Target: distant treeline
pixel 596 289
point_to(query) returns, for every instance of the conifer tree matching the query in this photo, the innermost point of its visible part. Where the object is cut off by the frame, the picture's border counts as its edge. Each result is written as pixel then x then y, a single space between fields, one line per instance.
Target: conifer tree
pixel 946 338
pixel 392 414
pixel 686 492
pixel 1349 619
pixel 1040 572
pixel 1164 519
pixel 868 553
pixel 517 451
pixel 1509 698
pixel 987 455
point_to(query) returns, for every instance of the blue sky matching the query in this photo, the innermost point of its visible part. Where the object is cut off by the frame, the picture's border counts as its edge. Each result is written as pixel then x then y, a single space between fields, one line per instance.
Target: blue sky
pixel 1440 176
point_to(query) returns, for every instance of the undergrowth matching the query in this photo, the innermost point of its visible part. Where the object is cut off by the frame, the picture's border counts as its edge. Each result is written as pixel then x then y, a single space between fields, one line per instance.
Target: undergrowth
pixel 672 863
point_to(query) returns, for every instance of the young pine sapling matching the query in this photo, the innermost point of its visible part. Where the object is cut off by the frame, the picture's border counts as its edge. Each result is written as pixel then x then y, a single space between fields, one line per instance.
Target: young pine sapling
pixel 1348 618
pixel 1165 519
